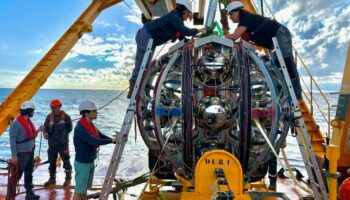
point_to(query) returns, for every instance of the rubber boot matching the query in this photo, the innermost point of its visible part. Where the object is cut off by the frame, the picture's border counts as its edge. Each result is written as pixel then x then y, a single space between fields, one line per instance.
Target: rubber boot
pixel 68 178
pixel 31 196
pixel 273 183
pixel 131 88
pixel 51 181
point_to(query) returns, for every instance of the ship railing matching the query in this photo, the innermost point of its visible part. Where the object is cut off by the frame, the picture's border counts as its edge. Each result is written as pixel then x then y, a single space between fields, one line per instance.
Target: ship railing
pixel 311 86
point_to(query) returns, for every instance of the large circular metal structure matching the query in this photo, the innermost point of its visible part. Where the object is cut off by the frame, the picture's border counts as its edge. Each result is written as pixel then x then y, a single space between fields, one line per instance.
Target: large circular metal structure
pixel 211 97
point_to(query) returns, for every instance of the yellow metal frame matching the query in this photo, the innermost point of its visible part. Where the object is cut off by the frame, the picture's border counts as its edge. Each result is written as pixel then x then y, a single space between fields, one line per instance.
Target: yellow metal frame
pixel 206 182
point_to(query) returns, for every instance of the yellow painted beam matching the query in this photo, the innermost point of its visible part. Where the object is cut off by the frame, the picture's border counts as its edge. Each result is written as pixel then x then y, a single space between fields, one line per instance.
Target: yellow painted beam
pixel 341 124
pixel 27 88
pixel 332 154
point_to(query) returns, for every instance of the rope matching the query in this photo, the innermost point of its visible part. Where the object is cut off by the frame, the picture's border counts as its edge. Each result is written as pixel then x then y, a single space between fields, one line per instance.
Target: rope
pixel 12 181
pixel 290 171
pixel 286 168
pixel 109 102
pixel 154 168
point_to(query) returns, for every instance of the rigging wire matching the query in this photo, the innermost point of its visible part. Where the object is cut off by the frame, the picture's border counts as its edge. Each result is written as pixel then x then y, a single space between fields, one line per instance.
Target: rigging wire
pixel 132 9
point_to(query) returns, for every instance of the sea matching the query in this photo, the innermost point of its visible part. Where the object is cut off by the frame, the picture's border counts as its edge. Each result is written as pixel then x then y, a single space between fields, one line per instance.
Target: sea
pixel 134 161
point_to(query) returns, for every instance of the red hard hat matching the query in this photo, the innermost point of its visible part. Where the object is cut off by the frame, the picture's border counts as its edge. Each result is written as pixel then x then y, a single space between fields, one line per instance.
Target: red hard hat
pixel 55 102
pixel 344 190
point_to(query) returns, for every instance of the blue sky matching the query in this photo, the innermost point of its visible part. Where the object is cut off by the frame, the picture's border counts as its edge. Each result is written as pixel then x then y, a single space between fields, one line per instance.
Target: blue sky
pixel 104 59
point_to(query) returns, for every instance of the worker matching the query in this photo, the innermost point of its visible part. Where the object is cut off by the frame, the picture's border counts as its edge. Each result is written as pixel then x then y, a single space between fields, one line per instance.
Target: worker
pixel 168 27
pixel 58 125
pixel 87 139
pixel 260 30
pixel 22 143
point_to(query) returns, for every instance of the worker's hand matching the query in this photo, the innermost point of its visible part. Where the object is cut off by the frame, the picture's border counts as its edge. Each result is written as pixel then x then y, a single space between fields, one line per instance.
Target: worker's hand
pixel 202 30
pixel 117 137
pixel 41 128
pixel 14 160
pixel 46 135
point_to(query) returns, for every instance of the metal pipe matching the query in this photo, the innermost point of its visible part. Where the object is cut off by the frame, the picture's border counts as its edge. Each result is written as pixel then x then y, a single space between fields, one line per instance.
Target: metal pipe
pixel 213 4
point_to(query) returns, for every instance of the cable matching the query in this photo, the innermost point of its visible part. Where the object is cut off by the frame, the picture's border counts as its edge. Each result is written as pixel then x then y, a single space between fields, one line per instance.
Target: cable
pixel 154 168
pixel 290 174
pixel 109 102
pixel 131 9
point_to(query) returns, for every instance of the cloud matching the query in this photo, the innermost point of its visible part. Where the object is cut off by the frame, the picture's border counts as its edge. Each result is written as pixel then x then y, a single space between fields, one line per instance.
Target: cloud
pixel 37 51
pixel 103 23
pixel 117 52
pixel 321 32
pixel 106 78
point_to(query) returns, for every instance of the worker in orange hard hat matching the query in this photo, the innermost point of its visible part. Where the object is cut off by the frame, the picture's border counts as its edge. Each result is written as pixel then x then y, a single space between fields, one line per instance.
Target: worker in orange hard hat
pixel 57 125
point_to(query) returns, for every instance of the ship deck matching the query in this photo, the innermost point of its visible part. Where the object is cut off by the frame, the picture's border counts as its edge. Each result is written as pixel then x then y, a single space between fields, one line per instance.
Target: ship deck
pixel 66 193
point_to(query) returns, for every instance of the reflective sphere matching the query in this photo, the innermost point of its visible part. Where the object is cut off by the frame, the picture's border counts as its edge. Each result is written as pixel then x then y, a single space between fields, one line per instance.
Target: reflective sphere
pixel 213 68
pixel 214 113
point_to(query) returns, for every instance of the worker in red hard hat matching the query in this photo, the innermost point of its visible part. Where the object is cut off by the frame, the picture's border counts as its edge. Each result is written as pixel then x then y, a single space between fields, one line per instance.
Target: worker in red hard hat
pixel 58 125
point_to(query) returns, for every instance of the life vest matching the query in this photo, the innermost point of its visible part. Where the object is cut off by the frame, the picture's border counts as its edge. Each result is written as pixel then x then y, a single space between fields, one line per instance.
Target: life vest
pixel 30 131
pixel 52 118
pixel 91 128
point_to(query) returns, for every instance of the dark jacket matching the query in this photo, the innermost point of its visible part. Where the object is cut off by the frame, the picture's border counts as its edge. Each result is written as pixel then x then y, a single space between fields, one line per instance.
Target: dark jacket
pixel 85 144
pixel 260 29
pixel 164 28
pixel 59 132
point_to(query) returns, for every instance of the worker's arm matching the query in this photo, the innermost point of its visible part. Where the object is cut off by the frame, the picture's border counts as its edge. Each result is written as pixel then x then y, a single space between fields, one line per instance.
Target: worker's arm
pixel 47 127
pixel 178 24
pixel 14 131
pixel 69 125
pixel 102 136
pixel 237 34
pixel 88 138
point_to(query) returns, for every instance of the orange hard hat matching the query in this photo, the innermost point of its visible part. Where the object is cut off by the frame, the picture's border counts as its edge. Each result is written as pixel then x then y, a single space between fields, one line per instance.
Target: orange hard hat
pixel 55 102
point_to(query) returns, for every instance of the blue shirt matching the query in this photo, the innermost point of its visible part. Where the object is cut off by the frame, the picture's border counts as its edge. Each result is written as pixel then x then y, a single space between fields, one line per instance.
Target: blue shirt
pixel 164 28
pixel 85 144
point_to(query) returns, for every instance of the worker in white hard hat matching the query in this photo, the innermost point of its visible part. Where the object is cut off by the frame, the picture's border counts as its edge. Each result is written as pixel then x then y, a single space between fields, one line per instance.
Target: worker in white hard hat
pixel 168 27
pixel 87 139
pixel 260 31
pixel 22 143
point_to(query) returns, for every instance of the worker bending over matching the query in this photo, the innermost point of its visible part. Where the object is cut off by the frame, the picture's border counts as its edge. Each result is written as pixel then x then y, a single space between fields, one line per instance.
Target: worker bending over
pixel 168 27
pixel 261 30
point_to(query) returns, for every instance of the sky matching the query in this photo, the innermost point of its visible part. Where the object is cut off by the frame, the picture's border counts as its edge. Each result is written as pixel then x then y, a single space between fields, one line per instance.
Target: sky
pixel 104 58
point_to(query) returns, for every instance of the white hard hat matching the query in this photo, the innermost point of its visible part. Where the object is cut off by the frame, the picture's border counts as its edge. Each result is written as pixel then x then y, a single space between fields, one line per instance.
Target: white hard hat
pixel 186 3
pixel 28 105
pixel 87 105
pixel 234 5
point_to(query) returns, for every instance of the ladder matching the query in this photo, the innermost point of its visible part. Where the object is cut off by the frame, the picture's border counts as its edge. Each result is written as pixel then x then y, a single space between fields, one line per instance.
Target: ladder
pixel 128 118
pixel 303 139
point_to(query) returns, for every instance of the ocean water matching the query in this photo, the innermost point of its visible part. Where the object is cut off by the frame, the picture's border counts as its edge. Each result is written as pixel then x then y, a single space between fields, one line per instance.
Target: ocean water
pixel 135 157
